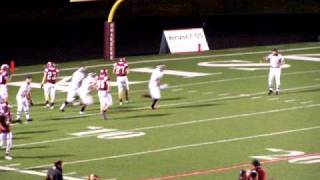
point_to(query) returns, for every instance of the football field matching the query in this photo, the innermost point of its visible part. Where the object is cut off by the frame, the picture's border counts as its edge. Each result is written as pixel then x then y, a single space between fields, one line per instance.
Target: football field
pixel 214 117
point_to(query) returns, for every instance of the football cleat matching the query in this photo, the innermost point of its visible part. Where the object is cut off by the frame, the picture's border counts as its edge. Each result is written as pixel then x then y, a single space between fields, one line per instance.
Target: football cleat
pixel 277 92
pixel 8 157
pixel 270 92
pixel 82 113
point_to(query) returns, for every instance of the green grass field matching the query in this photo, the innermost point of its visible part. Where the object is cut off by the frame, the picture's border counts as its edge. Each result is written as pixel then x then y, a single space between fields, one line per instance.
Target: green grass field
pixel 206 127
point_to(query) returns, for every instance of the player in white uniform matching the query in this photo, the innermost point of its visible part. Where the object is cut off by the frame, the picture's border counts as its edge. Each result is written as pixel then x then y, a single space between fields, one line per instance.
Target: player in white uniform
pixel 24 100
pixel 104 92
pixel 73 87
pixel 48 83
pixel 4 78
pixel 276 61
pixel 121 70
pixel 88 84
pixel 155 85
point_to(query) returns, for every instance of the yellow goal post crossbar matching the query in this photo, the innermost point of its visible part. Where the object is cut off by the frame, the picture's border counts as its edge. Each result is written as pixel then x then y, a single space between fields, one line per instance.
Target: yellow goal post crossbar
pixel 113 10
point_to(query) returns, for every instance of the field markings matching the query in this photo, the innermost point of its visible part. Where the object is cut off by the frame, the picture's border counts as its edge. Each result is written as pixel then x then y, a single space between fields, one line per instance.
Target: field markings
pixel 205 82
pixel 202 101
pixel 273 99
pixel 35 173
pixel 306 102
pixel 185 146
pixel 227 169
pixel 174 59
pixel 290 100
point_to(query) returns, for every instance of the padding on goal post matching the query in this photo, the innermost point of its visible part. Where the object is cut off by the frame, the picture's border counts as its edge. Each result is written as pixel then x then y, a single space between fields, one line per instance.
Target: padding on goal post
pixel 109 41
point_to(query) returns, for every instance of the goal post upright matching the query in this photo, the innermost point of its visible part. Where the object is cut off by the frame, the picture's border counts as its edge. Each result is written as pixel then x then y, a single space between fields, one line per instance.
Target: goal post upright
pixel 110 32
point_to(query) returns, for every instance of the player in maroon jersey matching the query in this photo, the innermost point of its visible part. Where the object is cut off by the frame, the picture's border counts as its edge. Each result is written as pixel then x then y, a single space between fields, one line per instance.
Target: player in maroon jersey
pixel 104 92
pixel 121 70
pixel 262 175
pixel 48 84
pixel 5 131
pixel 4 78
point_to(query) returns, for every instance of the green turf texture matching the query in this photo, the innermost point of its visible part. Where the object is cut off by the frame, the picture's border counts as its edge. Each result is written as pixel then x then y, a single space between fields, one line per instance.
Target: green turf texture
pixel 187 99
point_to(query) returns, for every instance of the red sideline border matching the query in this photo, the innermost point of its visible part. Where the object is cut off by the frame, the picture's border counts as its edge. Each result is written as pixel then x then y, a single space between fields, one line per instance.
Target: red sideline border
pixel 226 169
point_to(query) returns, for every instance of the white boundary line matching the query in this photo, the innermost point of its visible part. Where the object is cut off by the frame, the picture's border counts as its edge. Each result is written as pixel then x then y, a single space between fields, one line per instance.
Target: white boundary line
pixel 206 82
pixel 35 173
pixel 174 59
pixel 186 146
pixel 177 124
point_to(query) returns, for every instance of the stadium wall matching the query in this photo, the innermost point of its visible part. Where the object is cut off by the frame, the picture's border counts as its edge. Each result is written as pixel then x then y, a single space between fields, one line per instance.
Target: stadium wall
pixel 75 39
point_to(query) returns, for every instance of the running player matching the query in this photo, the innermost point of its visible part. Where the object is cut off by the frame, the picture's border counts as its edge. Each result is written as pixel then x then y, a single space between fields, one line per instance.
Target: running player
pixel 121 70
pixel 104 92
pixel 48 84
pixel 88 84
pixel 73 87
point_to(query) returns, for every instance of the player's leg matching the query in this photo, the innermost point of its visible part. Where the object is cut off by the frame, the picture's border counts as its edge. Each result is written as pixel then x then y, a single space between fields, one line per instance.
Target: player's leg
pixel 277 77
pixel 270 81
pixel 155 94
pixel 126 87
pixel 19 109
pixel 2 140
pixel 120 90
pixel 8 145
pixel 26 109
pixel 4 92
pixel 71 96
pixel 52 96
pixel 46 90
pixel 86 101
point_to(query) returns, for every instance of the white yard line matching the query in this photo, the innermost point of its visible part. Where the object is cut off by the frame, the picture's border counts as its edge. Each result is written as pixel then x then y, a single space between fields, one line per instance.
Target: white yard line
pixel 176 90
pixel 273 99
pixel 176 124
pixel 35 173
pixel 290 100
pixel 13 165
pixel 59 100
pixel 175 59
pixel 204 100
pixel 306 102
pixel 236 139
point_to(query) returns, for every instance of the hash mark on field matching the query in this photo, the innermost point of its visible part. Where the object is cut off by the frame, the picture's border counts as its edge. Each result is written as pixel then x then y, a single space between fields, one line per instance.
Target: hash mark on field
pixel 306 102
pixel 207 93
pixel 13 165
pixel 273 99
pixel 224 94
pixel 256 97
pixel 70 173
pixel 176 90
pixel 290 100
pixel 192 91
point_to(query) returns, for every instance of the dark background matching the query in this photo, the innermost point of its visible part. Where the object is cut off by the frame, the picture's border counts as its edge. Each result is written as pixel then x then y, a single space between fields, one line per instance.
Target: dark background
pixel 35 31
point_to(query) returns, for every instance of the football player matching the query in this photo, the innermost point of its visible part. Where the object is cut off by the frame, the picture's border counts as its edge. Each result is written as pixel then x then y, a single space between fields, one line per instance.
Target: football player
pixel 121 70
pixel 48 84
pixel 5 131
pixel 4 78
pixel 155 85
pixel 24 100
pixel 261 173
pixel 88 84
pixel 275 61
pixel 104 92
pixel 73 87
